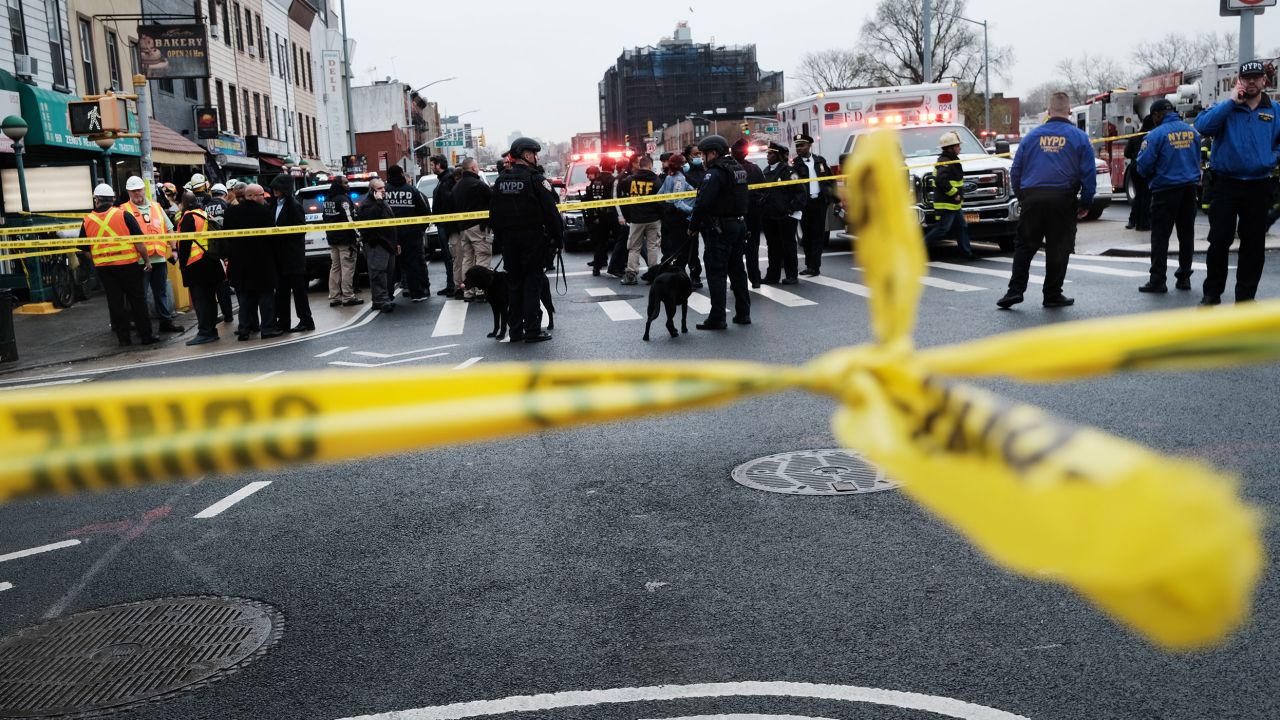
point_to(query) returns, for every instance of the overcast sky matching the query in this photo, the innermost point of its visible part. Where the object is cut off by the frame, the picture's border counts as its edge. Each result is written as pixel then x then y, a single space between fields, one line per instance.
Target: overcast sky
pixel 534 66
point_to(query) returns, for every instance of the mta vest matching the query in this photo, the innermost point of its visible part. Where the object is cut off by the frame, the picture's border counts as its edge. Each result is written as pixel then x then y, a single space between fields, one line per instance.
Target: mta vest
pixel 201 221
pixel 110 224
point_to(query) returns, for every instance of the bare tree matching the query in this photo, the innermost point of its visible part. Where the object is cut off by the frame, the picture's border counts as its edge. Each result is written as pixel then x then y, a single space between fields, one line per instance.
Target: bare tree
pixel 1180 52
pixel 893 42
pixel 1090 74
pixel 1035 100
pixel 834 69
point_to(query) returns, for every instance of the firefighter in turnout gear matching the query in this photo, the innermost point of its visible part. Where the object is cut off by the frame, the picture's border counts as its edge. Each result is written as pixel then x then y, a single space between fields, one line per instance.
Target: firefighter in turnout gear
pixel 948 196
pixel 523 209
pixel 122 264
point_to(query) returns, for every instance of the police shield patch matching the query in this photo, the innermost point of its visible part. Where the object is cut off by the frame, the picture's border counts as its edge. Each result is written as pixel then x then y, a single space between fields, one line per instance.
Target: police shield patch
pixel 546 184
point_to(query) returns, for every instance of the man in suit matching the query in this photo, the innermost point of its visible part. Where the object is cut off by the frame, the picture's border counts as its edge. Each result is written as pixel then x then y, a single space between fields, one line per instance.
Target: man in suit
pixel 813 219
pixel 291 257
pixel 252 265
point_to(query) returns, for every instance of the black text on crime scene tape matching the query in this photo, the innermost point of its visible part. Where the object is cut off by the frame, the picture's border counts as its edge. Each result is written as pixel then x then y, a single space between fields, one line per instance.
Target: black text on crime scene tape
pixel 90 446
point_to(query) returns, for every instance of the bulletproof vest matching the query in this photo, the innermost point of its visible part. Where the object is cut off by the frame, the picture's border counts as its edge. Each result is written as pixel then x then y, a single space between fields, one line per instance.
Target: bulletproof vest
pixel 400 199
pixel 733 197
pixel 515 199
pixel 600 187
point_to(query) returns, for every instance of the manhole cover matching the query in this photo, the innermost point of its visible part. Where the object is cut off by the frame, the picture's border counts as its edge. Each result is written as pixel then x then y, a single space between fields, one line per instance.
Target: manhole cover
pixel 813 472
pixel 115 657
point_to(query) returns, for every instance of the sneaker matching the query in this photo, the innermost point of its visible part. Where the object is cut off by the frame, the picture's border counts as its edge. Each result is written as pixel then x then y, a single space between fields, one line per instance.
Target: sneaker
pixel 353 301
pixel 629 279
pixel 1154 287
pixel 615 274
pixel 303 327
pixel 421 298
pixel 335 302
pixel 1010 299
pixel 1058 300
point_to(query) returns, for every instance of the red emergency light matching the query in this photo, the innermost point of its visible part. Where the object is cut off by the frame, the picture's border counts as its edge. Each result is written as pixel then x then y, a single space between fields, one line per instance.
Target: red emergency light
pixel 945 98
pixel 831 107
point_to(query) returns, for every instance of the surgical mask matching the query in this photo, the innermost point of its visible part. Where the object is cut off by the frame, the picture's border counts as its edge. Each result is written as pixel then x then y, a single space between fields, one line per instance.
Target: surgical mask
pixel 697 162
pixel 684 167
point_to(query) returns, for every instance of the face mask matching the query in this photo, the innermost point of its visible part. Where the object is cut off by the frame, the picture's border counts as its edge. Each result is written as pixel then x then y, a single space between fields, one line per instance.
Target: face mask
pixel 697 162
pixel 684 167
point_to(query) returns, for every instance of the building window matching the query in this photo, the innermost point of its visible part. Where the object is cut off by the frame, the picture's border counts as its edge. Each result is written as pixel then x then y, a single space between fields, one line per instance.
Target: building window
pixel 222 105
pixel 310 76
pixel 166 85
pixel 239 29
pixel 315 146
pixel 282 53
pixel 113 60
pixel 270 112
pixel 226 24
pixel 17 27
pixel 270 54
pixel 248 114
pixel 257 114
pixel 88 65
pixel 296 77
pixel 189 89
pixel 262 46
pixel 53 14
pixel 302 135
pixel 248 27
pixel 235 110
pixel 135 66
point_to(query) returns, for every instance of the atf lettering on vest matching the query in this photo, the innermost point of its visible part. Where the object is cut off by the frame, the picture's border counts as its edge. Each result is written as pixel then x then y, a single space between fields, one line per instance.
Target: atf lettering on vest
pixel 110 224
pixel 641 187
pixel 156 247
pixel 201 224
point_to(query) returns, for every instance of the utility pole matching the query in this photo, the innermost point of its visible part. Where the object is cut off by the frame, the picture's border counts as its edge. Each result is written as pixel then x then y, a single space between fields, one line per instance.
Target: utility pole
pixel 1246 35
pixel 346 85
pixel 926 24
pixel 144 131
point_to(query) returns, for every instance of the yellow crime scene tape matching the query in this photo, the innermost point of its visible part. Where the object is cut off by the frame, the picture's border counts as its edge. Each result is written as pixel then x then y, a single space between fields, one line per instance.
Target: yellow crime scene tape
pixel 1165 545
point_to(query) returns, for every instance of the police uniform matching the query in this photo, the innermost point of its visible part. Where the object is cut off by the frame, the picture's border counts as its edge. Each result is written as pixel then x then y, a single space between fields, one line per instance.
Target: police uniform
pixel 719 213
pixel 523 209
pixel 1055 161
pixel 755 212
pixel 405 201
pixel 1246 145
pixel 813 219
pixel 1170 162
pixel 600 222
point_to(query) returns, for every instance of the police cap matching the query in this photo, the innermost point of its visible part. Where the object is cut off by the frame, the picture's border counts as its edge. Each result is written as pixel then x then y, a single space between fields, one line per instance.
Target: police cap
pixel 524 144
pixel 779 148
pixel 802 138
pixel 1252 67
pixel 714 143
pixel 1162 106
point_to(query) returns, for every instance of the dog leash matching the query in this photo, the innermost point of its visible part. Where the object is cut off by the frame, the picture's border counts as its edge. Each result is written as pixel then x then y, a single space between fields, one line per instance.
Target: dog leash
pixel 562 276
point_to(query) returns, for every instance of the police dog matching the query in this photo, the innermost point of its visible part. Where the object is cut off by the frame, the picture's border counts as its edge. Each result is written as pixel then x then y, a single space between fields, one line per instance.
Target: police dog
pixel 494 285
pixel 671 288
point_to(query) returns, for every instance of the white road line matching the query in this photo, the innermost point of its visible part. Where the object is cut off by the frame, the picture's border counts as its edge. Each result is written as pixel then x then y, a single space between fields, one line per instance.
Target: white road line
pixel 1173 259
pixel 334 351
pixel 849 287
pixel 619 310
pixel 6 586
pixel 37 550
pixel 264 376
pixel 453 316
pixel 71 381
pixel 974 270
pixel 700 303
pixel 600 292
pixel 344 363
pixel 948 284
pixel 1082 268
pixel 782 296
pixel 221 506
pixel 579 273
pixel 369 353
pixel 468 363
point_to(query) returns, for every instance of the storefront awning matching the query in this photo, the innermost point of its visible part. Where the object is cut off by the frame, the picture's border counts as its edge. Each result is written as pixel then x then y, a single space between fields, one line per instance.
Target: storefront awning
pixel 169 147
pixel 46 114
pixel 238 162
pixel 273 162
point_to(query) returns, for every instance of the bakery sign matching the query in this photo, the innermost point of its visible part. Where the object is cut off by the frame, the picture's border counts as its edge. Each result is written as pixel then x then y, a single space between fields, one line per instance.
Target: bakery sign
pixel 173 51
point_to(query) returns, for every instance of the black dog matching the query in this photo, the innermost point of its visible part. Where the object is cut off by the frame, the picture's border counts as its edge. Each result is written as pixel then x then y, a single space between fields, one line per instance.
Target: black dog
pixel 671 288
pixel 494 285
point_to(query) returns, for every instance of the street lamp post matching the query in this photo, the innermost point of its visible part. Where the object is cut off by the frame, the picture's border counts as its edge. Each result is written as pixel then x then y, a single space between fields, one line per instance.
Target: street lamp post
pixel 433 82
pixel 986 70
pixel 15 128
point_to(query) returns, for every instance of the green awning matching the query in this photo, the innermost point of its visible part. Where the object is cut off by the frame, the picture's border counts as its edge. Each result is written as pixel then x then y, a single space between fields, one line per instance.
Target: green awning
pixel 46 114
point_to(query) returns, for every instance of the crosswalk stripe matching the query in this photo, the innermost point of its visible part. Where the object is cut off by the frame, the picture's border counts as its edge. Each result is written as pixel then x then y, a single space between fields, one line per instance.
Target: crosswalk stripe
pixel 453 316
pixel 948 284
pixel 1116 272
pixel 619 310
pixel 974 270
pixel 782 296
pixel 1173 259
pixel 851 288
pixel 600 292
pixel 700 303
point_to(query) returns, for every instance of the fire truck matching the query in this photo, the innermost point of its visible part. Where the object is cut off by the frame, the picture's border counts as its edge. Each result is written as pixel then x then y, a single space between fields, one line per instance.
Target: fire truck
pixel 919 115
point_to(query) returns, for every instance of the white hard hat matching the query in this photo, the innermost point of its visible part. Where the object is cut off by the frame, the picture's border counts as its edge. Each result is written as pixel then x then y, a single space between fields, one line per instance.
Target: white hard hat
pixel 233 183
pixel 134 183
pixel 197 180
pixel 104 190
pixel 218 189
pixel 948 139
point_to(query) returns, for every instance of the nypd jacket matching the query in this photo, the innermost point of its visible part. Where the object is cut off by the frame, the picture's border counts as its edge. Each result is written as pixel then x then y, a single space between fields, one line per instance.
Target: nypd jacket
pixel 1055 156
pixel 405 201
pixel 1246 143
pixel 1170 154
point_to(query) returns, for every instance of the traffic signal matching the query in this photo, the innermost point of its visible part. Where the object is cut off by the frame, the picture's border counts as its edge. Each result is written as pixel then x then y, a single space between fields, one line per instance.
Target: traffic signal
pixel 746 128
pixel 481 139
pixel 626 141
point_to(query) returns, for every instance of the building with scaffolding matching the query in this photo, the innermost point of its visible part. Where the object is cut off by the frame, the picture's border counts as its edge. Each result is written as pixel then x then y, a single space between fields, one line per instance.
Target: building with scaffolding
pixel 650 88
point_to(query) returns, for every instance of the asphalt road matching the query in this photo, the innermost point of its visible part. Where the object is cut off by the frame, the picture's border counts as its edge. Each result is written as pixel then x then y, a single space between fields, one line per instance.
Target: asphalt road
pixel 624 556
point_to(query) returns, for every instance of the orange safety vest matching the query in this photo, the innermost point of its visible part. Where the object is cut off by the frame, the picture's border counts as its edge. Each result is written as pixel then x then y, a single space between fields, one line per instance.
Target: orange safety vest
pixel 156 247
pixel 202 224
pixel 110 224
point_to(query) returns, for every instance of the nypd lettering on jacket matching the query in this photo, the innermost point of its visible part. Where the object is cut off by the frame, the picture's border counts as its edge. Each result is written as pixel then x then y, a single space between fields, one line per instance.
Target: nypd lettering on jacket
pixel 1055 156
pixel 511 187
pixel 1170 154
pixel 399 198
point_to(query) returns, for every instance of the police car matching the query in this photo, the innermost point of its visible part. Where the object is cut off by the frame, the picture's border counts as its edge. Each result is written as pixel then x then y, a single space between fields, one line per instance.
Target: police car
pixel 317 244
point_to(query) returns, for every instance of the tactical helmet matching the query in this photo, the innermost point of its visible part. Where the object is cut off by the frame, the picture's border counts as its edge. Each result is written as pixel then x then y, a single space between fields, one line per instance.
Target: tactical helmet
pixel 714 143
pixel 524 144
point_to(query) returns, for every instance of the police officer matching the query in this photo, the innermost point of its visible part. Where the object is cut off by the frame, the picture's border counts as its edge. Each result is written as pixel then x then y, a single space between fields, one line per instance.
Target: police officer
pixel 122 264
pixel 601 221
pixel 1054 162
pixel 405 201
pixel 755 209
pixel 948 196
pixel 1170 162
pixel 719 213
pixel 813 219
pixel 782 212
pixel 523 210
pixel 1246 141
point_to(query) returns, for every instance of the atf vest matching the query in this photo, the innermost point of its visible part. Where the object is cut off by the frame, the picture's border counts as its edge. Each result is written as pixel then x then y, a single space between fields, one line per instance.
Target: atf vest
pixel 201 222
pixel 156 247
pixel 110 224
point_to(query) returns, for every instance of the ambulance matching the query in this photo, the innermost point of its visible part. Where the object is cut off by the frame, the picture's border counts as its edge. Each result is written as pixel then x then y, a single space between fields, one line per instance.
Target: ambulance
pixel 919 115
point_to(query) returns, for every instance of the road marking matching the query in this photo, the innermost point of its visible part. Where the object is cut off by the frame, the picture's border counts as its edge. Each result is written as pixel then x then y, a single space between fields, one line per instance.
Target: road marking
pixel 937 704
pixel 453 316
pixel 1173 258
pixel 264 376
pixel 1082 268
pixel 700 303
pixel 5 586
pixel 37 550
pixel 221 506
pixel 740 716
pixel 334 351
pixel 782 296
pixel 849 287
pixel 71 381
pixel 948 284
pixel 344 363
pixel 619 310
pixel 368 353
pixel 600 292
pixel 468 363
pixel 1033 279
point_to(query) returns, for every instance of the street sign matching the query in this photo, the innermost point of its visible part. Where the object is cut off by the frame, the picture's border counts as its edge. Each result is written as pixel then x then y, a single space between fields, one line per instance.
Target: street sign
pixel 771 128
pixel 448 143
pixel 1228 8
